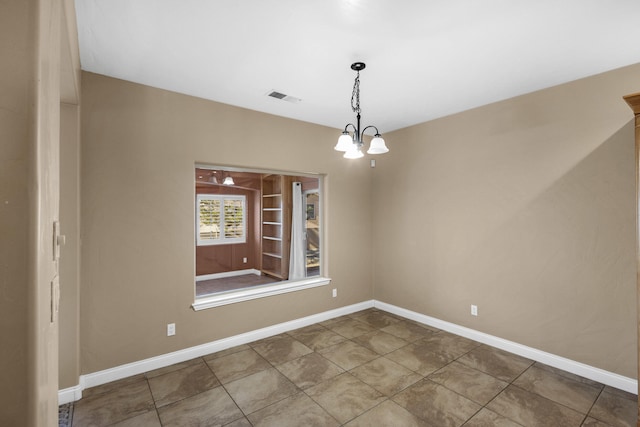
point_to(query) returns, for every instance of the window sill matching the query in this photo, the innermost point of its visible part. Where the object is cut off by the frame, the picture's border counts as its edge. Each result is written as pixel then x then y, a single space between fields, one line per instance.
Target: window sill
pixel 258 292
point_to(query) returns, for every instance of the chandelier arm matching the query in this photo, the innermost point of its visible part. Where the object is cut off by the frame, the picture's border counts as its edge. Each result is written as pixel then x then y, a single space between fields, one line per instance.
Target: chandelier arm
pixel 370 126
pixel 346 128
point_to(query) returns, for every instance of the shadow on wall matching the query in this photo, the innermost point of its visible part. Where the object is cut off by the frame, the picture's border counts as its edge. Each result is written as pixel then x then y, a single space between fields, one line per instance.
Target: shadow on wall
pixel 563 266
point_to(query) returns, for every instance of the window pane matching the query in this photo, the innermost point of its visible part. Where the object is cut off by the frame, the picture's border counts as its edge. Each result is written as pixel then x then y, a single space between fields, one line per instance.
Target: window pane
pixel 209 219
pixel 233 219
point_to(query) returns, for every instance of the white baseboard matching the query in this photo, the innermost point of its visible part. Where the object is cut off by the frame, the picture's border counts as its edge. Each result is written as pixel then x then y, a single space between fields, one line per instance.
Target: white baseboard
pixel 70 394
pixel 228 274
pixel 135 368
pixel 596 374
pixel 108 375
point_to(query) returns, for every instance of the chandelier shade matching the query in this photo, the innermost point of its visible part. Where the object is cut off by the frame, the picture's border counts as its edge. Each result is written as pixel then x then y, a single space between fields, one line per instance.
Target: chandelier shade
pixel 344 142
pixel 377 146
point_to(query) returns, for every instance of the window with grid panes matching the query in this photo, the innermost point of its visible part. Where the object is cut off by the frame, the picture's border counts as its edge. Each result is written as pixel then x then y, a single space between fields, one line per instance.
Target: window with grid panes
pixel 221 219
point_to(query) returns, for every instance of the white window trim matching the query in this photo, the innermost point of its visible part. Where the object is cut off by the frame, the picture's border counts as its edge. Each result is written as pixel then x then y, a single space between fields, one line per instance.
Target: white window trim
pixel 222 240
pixel 247 294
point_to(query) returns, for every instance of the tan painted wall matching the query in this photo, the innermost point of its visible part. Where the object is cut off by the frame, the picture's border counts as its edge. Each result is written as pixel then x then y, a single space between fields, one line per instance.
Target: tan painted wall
pixel 69 351
pixel 16 17
pixel 30 36
pixel 524 208
pixel 139 147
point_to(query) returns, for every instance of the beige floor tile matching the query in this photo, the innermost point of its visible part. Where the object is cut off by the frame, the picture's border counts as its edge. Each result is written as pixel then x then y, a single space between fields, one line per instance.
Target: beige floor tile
pixel 362 312
pixel 348 354
pixel 592 422
pixel 260 390
pixel 620 393
pixel 386 376
pixel 148 419
pixel 448 345
pixel 380 342
pixel 487 418
pixel 317 338
pixel 436 404
pixel 297 410
pixel 309 370
pixel 242 422
pixel 227 352
pixel 576 395
pixel 335 320
pixel 345 397
pixel 281 348
pixel 186 382
pixel 351 328
pixel 408 331
pixel 615 407
pixel 377 319
pixel 307 330
pixel 530 409
pixel 119 404
pixel 568 375
pixel 470 383
pixel 212 407
pixel 387 414
pixel 418 358
pixel 237 365
pixel 498 363
pixel 174 367
pixel 112 386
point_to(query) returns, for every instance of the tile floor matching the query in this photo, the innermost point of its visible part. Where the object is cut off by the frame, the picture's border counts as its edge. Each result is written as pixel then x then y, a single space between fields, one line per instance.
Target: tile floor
pixel 369 368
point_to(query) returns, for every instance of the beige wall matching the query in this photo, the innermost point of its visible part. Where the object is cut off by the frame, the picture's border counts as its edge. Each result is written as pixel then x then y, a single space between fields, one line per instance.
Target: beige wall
pixel 524 208
pixel 139 147
pixel 69 351
pixel 32 32
pixel 16 18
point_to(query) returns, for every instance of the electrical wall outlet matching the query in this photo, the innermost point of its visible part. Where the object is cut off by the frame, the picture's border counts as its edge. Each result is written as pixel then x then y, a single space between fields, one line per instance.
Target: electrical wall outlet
pixel 171 329
pixel 335 293
pixel 244 260
pixel 474 310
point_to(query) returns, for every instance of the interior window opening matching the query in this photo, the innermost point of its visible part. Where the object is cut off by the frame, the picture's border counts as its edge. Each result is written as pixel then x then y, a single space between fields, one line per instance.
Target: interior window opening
pixel 255 229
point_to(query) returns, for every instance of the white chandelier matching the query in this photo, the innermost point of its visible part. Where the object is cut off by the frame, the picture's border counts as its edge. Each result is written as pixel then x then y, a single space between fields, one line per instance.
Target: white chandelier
pixel 351 144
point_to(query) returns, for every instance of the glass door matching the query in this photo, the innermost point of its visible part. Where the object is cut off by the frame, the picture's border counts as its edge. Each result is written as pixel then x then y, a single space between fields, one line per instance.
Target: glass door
pixel 312 232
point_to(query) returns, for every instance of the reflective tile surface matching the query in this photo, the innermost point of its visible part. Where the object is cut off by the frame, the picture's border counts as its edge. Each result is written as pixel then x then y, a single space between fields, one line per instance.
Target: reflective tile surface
pixel 369 368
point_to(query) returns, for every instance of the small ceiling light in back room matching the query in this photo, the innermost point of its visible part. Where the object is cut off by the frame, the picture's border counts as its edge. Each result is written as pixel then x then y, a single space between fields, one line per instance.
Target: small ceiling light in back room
pixel 228 181
pixel 351 144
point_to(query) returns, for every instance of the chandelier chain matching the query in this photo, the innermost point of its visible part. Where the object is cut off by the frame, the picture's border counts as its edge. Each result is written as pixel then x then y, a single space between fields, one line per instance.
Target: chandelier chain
pixel 355 95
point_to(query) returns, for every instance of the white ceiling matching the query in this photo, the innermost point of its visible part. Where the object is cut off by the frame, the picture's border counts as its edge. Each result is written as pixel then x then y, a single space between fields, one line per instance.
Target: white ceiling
pixel 425 58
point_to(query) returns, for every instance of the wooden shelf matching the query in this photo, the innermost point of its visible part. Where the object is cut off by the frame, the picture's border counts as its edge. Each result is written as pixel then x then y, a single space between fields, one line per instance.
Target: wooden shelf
pixel 275 225
pixel 272 255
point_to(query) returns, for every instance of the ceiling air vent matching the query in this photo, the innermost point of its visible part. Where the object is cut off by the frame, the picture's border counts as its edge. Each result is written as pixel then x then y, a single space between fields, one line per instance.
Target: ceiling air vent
pixel 279 95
